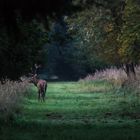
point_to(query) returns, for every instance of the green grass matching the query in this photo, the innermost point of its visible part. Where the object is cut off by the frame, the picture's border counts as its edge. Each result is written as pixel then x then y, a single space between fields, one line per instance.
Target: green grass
pixel 73 112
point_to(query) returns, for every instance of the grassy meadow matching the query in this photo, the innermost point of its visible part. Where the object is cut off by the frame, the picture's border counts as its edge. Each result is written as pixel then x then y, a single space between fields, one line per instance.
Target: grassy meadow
pixel 73 112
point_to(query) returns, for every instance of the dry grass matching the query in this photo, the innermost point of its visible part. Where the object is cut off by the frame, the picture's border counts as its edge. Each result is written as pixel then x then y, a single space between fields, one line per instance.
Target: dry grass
pixel 116 76
pixel 118 79
pixel 11 94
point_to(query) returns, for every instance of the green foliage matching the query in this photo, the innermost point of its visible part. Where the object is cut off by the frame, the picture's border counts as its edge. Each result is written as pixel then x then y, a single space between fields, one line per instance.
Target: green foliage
pixel 85 31
pixel 22 36
pixel 130 33
pixel 92 38
pixel 83 36
pixel 108 31
pixel 59 51
pixel 21 48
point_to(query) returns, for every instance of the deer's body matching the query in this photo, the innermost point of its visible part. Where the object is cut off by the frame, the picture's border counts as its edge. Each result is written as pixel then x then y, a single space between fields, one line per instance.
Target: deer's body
pixel 41 86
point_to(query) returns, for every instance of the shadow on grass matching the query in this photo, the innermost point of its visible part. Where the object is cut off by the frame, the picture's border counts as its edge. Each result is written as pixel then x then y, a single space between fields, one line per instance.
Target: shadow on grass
pixel 37 130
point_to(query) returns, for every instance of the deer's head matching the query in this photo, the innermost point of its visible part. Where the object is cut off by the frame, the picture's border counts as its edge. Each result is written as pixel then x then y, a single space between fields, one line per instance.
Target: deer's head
pixel 33 79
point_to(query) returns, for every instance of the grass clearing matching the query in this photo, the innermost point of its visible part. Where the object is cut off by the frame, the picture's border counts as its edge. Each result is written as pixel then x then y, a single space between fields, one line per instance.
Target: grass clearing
pixel 72 112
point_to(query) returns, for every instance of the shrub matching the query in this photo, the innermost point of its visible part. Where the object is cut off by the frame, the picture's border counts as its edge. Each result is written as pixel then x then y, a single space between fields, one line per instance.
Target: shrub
pixel 114 75
pixel 11 94
pixel 118 79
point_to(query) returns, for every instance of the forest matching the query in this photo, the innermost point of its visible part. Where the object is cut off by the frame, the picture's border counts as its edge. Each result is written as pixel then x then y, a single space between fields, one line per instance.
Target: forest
pixel 70 69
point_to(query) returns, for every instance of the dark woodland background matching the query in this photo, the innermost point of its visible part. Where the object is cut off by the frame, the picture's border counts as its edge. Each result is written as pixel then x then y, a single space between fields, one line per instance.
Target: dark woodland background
pixel 69 38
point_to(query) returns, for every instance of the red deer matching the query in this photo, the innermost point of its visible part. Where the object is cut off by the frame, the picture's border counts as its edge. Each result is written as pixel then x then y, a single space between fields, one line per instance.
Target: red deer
pixel 41 86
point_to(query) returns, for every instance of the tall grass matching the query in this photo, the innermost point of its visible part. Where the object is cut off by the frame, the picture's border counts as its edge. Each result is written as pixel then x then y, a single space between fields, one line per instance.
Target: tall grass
pixel 115 75
pixel 11 94
pixel 69 114
pixel 118 78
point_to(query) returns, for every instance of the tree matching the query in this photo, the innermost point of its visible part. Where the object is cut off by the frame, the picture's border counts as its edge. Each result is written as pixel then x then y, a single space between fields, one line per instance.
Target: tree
pixel 87 30
pixel 23 26
pixel 106 29
pixel 59 50
pixel 130 36
pixel 19 54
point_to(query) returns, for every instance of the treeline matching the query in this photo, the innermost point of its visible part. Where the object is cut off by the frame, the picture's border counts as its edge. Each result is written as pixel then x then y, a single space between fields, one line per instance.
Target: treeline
pixel 100 35
pixel 80 36
pixel 23 27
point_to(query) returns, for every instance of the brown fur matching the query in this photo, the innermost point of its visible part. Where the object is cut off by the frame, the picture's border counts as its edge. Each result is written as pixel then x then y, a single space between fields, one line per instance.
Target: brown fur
pixel 41 86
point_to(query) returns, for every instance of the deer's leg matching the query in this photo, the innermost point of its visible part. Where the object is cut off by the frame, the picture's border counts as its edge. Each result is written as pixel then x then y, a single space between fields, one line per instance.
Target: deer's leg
pixel 43 96
pixel 39 95
pixel 45 88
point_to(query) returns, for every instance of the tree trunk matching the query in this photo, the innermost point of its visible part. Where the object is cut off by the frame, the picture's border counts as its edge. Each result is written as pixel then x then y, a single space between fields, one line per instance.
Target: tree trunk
pixel 130 70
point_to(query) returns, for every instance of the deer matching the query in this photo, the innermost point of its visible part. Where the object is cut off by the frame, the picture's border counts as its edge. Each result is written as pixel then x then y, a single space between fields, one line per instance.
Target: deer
pixel 41 86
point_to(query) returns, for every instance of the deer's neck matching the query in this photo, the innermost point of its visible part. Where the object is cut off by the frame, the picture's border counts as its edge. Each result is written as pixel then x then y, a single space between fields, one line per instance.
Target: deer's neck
pixel 35 82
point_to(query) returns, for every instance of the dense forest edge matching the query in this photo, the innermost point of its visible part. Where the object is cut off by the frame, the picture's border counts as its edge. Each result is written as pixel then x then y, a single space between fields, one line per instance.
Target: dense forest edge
pixel 70 39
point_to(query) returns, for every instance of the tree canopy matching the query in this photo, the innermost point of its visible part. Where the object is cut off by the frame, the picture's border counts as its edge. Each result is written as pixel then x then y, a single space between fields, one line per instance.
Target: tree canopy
pixel 81 35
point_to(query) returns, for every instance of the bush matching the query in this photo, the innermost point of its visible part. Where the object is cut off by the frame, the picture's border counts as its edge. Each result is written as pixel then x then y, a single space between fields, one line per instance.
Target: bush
pixel 114 75
pixel 11 94
pixel 118 79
